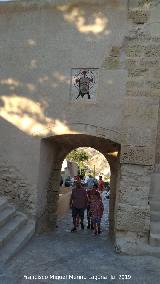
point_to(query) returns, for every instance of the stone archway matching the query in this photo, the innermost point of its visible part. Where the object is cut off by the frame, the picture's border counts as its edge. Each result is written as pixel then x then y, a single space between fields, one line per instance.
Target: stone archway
pixel 53 152
pixel 130 181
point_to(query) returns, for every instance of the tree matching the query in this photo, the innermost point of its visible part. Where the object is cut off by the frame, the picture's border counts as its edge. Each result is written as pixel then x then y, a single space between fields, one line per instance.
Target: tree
pixel 78 156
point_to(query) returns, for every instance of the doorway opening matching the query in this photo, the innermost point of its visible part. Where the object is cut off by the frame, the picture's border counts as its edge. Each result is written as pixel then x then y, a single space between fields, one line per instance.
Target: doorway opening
pixel 90 166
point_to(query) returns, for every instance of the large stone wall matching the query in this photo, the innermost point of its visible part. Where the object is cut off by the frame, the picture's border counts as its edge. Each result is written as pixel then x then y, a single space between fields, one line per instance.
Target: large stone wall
pixel 141 107
pixel 37 54
pixel 120 40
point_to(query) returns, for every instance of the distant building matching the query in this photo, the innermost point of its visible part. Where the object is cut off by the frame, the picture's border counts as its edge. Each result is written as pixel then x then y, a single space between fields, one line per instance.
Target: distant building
pixel 69 169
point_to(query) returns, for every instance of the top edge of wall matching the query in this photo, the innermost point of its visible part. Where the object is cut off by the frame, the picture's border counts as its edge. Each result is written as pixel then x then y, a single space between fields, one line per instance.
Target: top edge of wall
pixel 46 3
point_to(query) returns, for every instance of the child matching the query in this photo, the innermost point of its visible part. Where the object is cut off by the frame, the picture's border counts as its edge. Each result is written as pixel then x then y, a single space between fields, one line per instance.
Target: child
pixel 97 209
pixel 90 194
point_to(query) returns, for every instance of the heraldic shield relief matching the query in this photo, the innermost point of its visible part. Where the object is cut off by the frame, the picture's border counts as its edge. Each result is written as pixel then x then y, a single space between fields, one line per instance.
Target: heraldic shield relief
pixel 84 83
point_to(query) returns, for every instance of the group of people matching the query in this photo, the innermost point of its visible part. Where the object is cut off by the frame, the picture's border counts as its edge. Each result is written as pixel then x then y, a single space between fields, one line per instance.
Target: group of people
pixel 89 199
pixel 89 181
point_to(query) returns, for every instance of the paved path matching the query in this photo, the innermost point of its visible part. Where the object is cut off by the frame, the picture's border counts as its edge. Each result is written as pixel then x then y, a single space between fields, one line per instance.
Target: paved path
pixel 78 254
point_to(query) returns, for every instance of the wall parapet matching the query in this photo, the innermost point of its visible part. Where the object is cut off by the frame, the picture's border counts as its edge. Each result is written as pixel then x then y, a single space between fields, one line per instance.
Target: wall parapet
pixel 39 4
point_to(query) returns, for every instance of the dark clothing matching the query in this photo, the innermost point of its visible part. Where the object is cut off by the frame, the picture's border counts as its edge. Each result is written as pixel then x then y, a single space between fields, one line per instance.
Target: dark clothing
pixel 79 198
pixel 78 212
pixel 78 202
pixel 96 221
pixel 89 213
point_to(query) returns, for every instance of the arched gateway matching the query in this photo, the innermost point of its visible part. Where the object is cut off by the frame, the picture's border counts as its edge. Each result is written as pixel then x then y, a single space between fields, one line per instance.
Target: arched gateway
pixel 129 218
pixel 53 152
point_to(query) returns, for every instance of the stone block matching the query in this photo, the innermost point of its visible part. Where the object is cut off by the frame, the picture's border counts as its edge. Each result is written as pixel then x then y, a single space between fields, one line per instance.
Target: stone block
pixel 134 50
pixel 137 66
pixel 153 84
pixel 135 184
pixel 143 63
pixel 114 135
pixel 132 218
pixel 132 194
pixel 139 16
pixel 137 155
pixel 155 39
pixel 155 92
pixel 156 73
pixel 138 36
pixel 152 50
pixel 139 3
pixel 137 71
pixel 130 171
pixel 141 112
pixel 132 83
pixel 139 92
pixel 145 137
pixel 131 243
pixel 141 50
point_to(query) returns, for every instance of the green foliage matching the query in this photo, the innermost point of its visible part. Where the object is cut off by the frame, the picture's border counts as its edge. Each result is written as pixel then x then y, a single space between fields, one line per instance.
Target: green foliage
pixel 82 172
pixel 78 156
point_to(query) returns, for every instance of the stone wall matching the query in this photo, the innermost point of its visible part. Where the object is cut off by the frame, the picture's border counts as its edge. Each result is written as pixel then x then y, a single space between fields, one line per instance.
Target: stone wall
pixel 35 82
pixel 132 219
pixel 35 101
pixel 16 187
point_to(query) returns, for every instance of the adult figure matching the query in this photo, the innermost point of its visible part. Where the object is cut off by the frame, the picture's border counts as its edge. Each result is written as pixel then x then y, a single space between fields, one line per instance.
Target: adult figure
pixel 86 180
pixel 91 182
pixel 101 184
pixel 78 203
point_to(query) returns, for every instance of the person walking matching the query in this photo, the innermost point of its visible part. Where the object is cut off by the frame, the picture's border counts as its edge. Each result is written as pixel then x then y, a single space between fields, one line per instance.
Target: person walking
pixel 78 203
pixel 101 184
pixel 97 209
pixel 90 182
pixel 90 194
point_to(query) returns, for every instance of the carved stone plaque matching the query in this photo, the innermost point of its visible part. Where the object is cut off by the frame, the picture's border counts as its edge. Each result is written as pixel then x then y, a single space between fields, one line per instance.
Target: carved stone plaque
pixel 84 84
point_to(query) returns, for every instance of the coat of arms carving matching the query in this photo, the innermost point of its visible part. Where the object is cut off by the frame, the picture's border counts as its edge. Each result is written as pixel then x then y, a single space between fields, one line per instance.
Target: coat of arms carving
pixel 84 83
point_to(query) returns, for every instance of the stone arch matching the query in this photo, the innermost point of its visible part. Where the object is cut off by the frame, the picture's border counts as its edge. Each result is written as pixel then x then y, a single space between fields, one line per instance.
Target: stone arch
pixel 53 151
pixel 80 128
pixel 130 180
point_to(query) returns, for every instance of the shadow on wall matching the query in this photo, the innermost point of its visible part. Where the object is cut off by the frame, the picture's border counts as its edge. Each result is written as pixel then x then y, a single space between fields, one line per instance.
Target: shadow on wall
pixel 24 99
